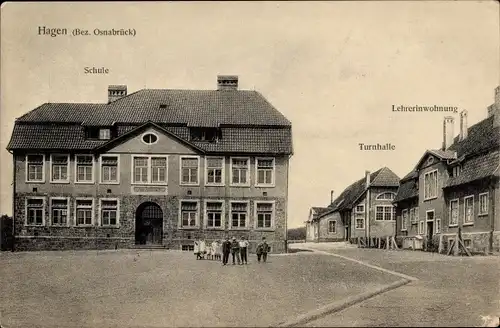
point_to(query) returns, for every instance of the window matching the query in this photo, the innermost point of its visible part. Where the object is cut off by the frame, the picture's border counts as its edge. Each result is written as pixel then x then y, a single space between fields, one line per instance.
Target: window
pixel 385 213
pixel 59 168
pixel 239 214
pixel 438 225
pixel 386 196
pixel 483 203
pixel 360 209
pixel 456 171
pixel 468 243
pixel 149 138
pixel 265 171
pixel 35 168
pixel 158 170
pixel 140 170
pixel 205 134
pixel 189 170
pixel 264 215
pixel 109 212
pixel 453 212
pixel 411 214
pixel 417 218
pixel 332 226
pixel 59 211
pixel 84 168
pixel 240 171
pixel 469 210
pixel 360 222
pixel 430 184
pixel 404 220
pixel 214 214
pixel 84 209
pixel 104 134
pixel 421 227
pixel 35 208
pixel 109 169
pixel 189 214
pixel 215 171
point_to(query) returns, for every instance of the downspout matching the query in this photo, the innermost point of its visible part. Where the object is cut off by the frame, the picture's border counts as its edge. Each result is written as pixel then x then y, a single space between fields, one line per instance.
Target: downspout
pixel 492 205
pixel 13 199
pixel 367 212
pixel 286 207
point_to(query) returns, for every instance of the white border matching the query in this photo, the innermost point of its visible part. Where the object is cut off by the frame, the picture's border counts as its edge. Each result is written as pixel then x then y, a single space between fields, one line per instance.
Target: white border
pixel 487 203
pixel 26 177
pixel 230 218
pixel 273 214
pixel 386 192
pixel 26 211
pixel 197 222
pixel 223 173
pixel 465 210
pixel 75 224
pixel 118 173
pixel 180 170
pixel 67 167
pixel 392 213
pixel 247 184
pixel 93 169
pixel 436 226
pixel 99 214
pixel 223 214
pixel 458 213
pixel 273 180
pixel 146 133
pixel 68 215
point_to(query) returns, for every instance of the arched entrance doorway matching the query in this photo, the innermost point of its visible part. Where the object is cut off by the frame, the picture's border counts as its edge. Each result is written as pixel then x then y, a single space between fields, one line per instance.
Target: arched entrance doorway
pixel 148 224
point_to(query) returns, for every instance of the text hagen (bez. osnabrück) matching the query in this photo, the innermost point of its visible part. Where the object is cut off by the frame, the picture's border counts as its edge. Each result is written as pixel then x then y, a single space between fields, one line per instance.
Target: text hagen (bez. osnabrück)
pixel 53 32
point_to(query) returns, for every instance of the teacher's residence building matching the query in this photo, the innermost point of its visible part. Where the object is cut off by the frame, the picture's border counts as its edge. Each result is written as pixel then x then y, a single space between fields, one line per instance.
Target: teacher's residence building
pixel 363 209
pixel 154 167
pixel 457 186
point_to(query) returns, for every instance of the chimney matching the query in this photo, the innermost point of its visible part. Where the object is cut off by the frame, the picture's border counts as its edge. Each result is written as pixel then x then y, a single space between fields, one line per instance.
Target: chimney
pixel 116 92
pixel 227 82
pixel 448 134
pixel 367 178
pixel 464 129
pixel 494 109
pixel 331 197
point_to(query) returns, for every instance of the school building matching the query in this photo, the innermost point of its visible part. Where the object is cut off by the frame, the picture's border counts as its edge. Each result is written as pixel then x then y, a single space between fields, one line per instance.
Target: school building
pixel 156 167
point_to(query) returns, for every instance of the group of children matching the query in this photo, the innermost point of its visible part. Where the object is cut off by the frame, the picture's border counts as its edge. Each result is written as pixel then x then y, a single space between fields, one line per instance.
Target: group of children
pixel 218 250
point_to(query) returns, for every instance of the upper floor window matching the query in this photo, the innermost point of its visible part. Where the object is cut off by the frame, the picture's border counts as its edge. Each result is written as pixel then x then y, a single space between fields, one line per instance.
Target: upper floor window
pixel 35 168
pixel 264 214
pixel 109 169
pixel 149 138
pixel 240 171
pixel 189 170
pixel 360 208
pixel 453 212
pixel 205 134
pixel 469 209
pixel 59 168
pixel 386 196
pixel 149 169
pixel 431 184
pixel 59 211
pixel 104 134
pixel 265 171
pixel 385 213
pixel 35 211
pixel 84 168
pixel 215 171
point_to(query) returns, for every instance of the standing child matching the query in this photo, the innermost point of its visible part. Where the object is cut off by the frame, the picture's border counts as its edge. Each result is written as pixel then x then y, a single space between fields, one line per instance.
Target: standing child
pixel 235 250
pixel 214 249
pixel 262 250
pixel 197 249
pixel 243 250
pixel 203 248
pixel 209 251
pixel 226 249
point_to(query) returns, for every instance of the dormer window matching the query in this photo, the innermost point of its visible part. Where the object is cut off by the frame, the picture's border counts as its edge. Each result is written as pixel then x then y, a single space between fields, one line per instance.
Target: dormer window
pixel 206 134
pixel 456 171
pixel 104 134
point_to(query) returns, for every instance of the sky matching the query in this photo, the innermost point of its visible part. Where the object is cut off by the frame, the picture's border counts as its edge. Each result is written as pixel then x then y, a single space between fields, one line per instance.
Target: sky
pixel 334 69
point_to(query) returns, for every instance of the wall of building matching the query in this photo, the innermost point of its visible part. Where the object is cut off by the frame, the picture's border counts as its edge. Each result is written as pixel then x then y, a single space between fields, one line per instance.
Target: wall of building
pixel 380 228
pixel 325 235
pixel 411 229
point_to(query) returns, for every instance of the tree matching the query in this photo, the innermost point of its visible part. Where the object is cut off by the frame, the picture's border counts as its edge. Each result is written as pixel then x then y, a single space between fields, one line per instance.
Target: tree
pixel 297 233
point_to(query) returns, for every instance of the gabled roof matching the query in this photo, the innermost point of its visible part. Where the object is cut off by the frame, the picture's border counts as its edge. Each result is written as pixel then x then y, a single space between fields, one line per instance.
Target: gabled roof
pixel 316 211
pixel 440 154
pixel 208 108
pixel 383 177
pixel 249 123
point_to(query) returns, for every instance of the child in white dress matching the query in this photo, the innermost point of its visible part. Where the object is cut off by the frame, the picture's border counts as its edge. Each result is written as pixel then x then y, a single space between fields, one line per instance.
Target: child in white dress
pixel 203 248
pixel 209 252
pixel 197 249
pixel 214 250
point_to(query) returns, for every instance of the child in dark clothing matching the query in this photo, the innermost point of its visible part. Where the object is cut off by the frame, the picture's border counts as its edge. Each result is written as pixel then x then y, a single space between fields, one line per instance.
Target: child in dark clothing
pixel 262 250
pixel 235 250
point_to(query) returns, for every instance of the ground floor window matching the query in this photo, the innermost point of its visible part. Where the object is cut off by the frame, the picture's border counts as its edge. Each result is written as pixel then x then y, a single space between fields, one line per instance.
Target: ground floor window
pixel 264 215
pixel 35 211
pixel 188 248
pixel 438 225
pixel 404 220
pixel 332 226
pixel 84 211
pixel 214 214
pixel 189 214
pixel 421 227
pixel 59 211
pixel 239 212
pixel 385 213
pixel 360 222
pixel 109 212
